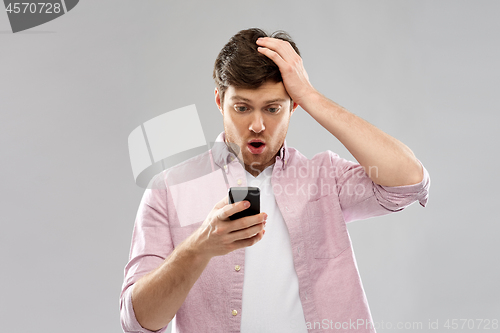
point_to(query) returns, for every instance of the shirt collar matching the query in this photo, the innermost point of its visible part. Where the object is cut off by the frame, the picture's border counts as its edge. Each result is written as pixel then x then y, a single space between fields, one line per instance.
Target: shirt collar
pixel 223 156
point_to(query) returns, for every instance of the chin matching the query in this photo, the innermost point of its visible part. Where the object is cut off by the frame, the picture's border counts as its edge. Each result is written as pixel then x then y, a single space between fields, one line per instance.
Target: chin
pixel 257 161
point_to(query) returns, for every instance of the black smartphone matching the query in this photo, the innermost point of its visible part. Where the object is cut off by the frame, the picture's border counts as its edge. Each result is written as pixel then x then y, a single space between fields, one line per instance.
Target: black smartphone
pixel 251 194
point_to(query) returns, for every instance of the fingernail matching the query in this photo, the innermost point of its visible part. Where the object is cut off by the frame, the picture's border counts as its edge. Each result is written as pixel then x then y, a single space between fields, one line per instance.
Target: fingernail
pixel 246 204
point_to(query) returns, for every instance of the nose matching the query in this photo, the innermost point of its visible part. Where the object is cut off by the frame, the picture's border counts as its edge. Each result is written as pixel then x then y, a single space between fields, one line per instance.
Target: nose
pixel 257 123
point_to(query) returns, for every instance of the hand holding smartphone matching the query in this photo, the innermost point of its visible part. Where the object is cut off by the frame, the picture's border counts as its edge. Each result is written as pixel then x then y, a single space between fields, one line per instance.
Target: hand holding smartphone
pixel 251 194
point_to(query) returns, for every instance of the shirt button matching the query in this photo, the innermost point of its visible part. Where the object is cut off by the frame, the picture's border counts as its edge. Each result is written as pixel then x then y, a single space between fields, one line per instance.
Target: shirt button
pixel 286 207
pixel 225 167
pixel 234 312
pixel 237 268
pixel 239 181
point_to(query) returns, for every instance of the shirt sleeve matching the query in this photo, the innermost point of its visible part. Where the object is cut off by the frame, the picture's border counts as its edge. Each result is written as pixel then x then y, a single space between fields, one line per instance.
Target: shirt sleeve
pixel 361 198
pixel 151 244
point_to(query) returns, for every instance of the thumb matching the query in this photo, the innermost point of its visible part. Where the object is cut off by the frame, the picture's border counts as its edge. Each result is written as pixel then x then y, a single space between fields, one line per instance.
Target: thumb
pixel 223 202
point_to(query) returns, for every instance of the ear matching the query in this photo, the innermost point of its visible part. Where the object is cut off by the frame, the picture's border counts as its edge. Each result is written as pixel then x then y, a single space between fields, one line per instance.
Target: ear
pixel 295 105
pixel 217 101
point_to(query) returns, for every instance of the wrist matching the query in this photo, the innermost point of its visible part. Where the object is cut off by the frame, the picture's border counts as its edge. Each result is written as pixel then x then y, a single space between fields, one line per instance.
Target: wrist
pixel 310 99
pixel 192 248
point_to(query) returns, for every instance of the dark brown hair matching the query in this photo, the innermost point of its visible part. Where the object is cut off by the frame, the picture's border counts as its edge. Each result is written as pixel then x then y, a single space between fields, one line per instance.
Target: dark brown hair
pixel 240 64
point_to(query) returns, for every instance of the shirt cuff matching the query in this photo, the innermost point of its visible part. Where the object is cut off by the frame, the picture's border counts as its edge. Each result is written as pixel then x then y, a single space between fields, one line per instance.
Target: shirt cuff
pixel 398 197
pixel 128 320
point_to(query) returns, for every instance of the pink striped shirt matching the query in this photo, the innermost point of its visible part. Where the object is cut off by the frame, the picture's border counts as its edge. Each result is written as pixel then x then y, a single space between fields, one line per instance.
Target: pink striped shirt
pixel 316 197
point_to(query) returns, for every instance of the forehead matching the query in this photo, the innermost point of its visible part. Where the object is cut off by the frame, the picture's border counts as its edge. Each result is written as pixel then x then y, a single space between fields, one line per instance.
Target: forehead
pixel 267 92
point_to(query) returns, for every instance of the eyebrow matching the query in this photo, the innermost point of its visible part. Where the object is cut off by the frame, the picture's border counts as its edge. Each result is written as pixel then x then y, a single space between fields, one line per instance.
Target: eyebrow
pixel 241 98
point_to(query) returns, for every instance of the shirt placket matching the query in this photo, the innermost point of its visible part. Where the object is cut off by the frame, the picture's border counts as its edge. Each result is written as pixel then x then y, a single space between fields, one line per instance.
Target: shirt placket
pixel 296 232
pixel 236 178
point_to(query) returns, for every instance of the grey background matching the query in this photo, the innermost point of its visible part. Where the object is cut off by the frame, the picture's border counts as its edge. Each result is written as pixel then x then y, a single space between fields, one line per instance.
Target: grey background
pixel 73 89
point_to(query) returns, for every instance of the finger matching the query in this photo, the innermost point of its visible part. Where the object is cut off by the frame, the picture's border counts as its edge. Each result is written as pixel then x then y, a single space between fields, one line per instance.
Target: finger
pixel 274 56
pixel 283 48
pixel 248 232
pixel 247 221
pixel 272 43
pixel 229 210
pixel 249 241
pixel 223 202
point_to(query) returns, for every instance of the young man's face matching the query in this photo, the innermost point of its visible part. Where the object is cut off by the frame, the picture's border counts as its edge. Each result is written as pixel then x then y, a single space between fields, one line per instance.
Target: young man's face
pixel 261 114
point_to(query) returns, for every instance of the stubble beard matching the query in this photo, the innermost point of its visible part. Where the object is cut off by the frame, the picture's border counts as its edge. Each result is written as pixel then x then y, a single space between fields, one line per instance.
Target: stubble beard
pixel 252 165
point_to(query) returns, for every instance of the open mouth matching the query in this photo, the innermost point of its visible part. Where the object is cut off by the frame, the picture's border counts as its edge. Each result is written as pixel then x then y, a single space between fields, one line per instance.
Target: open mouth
pixel 256 144
pixel 256 147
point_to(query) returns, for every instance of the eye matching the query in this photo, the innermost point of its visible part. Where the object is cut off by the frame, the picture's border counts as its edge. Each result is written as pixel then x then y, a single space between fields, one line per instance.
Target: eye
pixel 275 109
pixel 240 108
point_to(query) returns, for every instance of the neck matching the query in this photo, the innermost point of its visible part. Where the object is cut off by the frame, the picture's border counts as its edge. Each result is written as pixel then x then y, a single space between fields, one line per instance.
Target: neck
pixel 252 170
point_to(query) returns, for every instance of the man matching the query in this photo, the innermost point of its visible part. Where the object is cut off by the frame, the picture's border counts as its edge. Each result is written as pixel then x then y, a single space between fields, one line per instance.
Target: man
pixel 190 261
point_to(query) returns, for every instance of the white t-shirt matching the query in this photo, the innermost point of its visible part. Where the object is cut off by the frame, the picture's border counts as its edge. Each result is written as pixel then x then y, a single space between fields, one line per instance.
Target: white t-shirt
pixel 271 300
